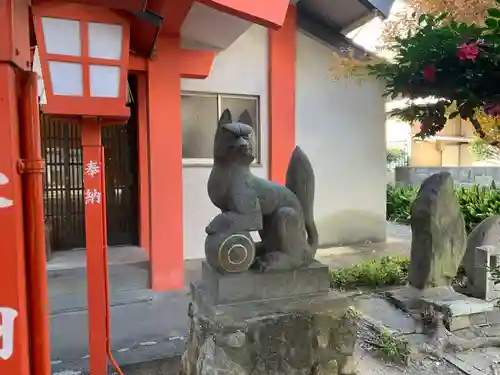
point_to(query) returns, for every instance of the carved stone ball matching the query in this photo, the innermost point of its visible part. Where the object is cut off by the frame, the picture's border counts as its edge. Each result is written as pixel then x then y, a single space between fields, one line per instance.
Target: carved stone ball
pixel 230 252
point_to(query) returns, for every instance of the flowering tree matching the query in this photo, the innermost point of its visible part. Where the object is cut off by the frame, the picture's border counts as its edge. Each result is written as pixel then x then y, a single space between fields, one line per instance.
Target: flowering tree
pixel 456 63
pixel 406 19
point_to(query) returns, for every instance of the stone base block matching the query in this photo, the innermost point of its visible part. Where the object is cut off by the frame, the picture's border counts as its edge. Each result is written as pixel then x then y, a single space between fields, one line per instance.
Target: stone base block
pixel 294 336
pixel 459 310
pixel 224 289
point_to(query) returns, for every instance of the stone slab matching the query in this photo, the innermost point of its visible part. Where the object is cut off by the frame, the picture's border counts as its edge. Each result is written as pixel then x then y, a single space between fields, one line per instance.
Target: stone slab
pixel 462 365
pixel 253 286
pixel 409 298
pixel 477 359
pixel 460 311
pixel 460 305
pixel 384 313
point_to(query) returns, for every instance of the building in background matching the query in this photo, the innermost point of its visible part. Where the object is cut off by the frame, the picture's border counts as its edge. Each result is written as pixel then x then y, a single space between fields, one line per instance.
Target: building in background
pixel 448 148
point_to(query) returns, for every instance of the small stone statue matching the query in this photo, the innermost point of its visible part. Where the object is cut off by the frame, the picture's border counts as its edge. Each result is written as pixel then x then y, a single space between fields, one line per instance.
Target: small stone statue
pixel 283 215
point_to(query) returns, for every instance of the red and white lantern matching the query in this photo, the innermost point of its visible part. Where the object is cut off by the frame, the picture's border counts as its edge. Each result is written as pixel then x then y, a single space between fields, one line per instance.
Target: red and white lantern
pixel 83 54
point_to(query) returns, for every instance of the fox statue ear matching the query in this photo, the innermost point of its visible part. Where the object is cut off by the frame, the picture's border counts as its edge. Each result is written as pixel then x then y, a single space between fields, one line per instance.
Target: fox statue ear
pixel 245 118
pixel 225 118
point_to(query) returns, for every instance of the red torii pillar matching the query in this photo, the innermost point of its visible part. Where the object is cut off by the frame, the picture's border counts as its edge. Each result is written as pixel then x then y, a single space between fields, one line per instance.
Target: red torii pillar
pixel 24 328
pixel 14 356
pixel 171 63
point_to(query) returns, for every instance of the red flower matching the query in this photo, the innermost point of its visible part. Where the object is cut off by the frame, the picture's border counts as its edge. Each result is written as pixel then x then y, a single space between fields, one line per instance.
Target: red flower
pixel 468 51
pixel 422 127
pixel 430 73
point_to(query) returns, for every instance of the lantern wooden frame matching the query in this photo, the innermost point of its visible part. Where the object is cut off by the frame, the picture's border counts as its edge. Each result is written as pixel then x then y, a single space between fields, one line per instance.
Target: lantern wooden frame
pixel 84 105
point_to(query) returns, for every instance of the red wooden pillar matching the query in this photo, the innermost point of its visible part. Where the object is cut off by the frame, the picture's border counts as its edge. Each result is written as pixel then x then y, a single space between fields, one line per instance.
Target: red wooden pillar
pixel 32 168
pixel 282 51
pixel 14 344
pixel 165 158
pixel 95 230
pixel 14 56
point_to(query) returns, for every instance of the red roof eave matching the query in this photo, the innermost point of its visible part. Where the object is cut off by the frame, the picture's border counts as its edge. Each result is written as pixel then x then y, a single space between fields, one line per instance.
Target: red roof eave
pixel 263 12
pixel 131 5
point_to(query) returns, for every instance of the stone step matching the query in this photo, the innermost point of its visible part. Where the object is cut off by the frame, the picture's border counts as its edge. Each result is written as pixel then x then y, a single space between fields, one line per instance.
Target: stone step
pixel 128 276
pixel 131 363
pixel 68 303
pixel 144 325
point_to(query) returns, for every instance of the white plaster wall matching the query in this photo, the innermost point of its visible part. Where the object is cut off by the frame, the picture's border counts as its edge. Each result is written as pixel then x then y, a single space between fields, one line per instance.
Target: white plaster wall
pixel 240 69
pixel 341 127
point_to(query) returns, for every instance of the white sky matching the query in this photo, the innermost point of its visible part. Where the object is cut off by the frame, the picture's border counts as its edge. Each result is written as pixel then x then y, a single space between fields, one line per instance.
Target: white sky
pixel 369 34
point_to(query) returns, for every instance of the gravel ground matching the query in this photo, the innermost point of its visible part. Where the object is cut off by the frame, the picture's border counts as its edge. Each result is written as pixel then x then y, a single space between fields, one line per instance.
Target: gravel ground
pixel 369 365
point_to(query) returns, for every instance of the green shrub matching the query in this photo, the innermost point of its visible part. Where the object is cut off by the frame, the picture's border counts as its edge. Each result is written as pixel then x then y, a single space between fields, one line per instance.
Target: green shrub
pixel 383 272
pixel 477 203
pixel 393 347
pixel 399 200
pixel 387 271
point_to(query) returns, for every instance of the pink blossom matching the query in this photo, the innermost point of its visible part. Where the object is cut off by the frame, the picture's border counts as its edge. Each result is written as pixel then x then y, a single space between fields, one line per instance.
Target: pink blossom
pixel 468 51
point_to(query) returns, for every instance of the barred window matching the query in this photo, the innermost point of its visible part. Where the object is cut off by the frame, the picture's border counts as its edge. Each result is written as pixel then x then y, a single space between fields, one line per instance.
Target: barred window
pixel 200 114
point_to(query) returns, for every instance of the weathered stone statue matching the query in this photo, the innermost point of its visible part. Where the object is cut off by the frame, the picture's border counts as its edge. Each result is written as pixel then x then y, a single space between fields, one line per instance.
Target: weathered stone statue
pixel 285 320
pixel 283 215
pixel 438 234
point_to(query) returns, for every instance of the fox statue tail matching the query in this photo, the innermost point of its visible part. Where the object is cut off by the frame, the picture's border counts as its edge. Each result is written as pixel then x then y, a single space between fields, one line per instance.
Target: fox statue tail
pixel 300 180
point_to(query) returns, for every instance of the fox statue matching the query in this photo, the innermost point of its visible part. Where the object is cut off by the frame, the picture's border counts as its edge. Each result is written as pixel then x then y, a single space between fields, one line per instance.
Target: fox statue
pixel 282 215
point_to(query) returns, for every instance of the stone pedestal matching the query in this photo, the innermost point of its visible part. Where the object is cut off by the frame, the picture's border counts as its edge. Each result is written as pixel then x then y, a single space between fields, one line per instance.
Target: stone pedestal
pixel 282 323
pixel 459 310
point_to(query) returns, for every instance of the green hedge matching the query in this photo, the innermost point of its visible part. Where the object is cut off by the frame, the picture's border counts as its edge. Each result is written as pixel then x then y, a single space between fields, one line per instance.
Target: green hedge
pixel 477 203
pixel 376 273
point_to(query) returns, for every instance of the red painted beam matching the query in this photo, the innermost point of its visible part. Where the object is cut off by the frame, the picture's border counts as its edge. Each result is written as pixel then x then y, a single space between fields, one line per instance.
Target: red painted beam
pixel 137 63
pixel 134 5
pixel 196 64
pixel 269 13
pixel 174 13
pixel 282 56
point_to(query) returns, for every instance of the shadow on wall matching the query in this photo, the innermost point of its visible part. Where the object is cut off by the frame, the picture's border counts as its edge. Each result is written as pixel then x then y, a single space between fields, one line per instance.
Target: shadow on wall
pixel 349 227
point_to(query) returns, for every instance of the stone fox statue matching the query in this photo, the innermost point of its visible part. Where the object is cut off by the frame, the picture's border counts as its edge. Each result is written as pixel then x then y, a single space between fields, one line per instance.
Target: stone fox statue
pixel 283 215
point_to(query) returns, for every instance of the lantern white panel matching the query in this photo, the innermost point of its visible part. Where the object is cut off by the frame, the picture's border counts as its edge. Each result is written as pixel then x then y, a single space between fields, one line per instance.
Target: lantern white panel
pixel 62 37
pixel 66 78
pixel 104 81
pixel 37 68
pixel 105 41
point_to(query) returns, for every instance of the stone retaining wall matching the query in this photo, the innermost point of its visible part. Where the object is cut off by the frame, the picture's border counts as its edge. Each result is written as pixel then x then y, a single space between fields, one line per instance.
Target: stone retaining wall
pixel 462 176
